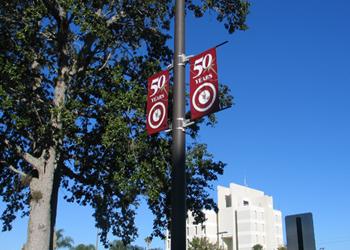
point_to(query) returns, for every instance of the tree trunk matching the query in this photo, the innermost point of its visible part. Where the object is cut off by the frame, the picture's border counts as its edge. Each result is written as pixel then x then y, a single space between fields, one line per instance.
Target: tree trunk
pixel 43 204
pixel 54 201
pixel 44 190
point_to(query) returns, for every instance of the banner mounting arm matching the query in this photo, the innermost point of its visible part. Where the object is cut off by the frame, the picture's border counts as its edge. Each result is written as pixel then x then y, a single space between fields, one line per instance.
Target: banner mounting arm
pixel 183 59
pixel 185 123
pixel 220 44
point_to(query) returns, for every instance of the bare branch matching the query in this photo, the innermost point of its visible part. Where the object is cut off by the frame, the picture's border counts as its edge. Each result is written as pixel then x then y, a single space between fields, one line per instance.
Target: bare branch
pixel 37 115
pixel 17 171
pixel 35 162
pixel 105 63
pixel 61 11
pixel 85 55
pixel 36 69
pixel 43 154
pixel 99 12
pixel 115 18
pixel 13 169
pixel 48 36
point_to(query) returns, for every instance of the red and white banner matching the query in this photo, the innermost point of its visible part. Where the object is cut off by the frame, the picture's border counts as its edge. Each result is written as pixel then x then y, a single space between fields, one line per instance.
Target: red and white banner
pixel 157 102
pixel 204 88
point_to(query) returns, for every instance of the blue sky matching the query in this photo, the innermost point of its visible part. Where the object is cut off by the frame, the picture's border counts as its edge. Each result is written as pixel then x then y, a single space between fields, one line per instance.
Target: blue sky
pixel 289 132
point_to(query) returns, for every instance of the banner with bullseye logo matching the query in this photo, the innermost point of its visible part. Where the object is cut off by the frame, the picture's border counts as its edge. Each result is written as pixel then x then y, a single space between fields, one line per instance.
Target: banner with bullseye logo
pixel 157 102
pixel 204 84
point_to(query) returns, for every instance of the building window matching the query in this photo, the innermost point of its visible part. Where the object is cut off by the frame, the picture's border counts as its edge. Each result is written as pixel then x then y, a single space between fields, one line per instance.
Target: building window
pixel 204 229
pixel 245 203
pixel 187 231
pixel 196 230
pixel 228 200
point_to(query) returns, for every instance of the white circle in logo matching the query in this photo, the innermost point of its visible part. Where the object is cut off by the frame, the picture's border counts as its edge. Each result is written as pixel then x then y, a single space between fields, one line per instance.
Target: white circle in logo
pixel 204 97
pixel 156 115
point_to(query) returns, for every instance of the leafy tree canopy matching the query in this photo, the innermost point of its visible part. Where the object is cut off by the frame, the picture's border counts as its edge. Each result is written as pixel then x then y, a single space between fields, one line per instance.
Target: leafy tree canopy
pixel 72 103
pixel 83 247
pixel 119 245
pixel 257 247
pixel 202 244
pixel 63 241
pixel 282 248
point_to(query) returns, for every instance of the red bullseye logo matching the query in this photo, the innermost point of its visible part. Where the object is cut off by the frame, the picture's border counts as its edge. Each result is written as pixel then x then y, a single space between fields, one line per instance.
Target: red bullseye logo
pixel 156 115
pixel 204 97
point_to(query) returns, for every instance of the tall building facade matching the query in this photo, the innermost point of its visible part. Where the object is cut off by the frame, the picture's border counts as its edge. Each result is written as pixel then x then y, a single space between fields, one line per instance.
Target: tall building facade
pixel 246 217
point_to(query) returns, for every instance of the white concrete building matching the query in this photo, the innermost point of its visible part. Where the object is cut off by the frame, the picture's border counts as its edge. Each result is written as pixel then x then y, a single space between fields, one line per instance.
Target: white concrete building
pixel 246 217
pixel 207 229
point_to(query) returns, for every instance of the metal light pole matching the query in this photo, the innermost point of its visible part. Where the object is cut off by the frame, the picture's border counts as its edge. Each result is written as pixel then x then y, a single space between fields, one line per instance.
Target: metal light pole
pixel 218 234
pixel 178 191
pixel 96 247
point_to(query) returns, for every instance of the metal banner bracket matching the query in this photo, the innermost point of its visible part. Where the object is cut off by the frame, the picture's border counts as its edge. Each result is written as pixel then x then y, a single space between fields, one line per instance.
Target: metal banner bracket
pixel 183 60
pixel 185 123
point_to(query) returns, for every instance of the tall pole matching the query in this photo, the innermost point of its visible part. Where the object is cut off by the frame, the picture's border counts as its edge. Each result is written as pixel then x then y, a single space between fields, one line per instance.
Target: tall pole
pixel 178 191
pixel 217 229
pixel 96 247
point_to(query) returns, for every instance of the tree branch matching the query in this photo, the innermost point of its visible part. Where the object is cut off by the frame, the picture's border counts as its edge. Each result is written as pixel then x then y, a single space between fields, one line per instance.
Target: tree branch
pixel 17 171
pixel 105 63
pixel 50 6
pixel 78 177
pixel 85 55
pixel 35 162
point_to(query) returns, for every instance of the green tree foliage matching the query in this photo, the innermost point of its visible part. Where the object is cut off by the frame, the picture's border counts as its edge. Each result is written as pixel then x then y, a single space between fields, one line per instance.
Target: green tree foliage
pixel 119 245
pixel 148 241
pixel 83 247
pixel 63 241
pixel 257 247
pixel 282 248
pixel 202 244
pixel 72 110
